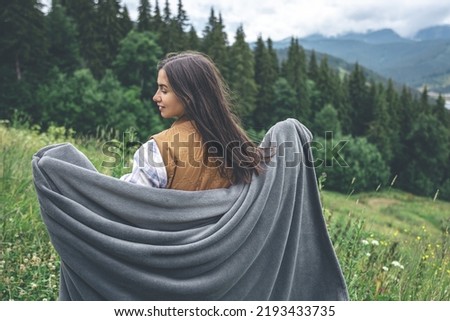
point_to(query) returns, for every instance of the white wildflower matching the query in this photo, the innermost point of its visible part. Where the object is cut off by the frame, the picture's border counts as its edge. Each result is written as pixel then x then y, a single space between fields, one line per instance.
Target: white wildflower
pixel 375 242
pixel 367 254
pixel 397 264
pixel 385 268
pixel 365 242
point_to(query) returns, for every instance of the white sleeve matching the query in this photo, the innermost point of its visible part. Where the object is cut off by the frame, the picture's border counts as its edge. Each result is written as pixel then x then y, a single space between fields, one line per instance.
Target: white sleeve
pixel 148 167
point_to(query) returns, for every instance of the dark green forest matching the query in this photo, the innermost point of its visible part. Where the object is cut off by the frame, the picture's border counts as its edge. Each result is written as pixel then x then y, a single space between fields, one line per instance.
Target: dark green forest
pixel 86 65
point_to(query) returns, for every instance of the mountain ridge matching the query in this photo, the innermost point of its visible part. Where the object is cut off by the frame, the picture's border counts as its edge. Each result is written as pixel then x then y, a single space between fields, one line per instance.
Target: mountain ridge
pixel 422 60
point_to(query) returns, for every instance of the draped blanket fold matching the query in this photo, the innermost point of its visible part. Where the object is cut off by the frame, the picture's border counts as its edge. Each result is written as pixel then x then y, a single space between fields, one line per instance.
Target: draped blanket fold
pixel 266 240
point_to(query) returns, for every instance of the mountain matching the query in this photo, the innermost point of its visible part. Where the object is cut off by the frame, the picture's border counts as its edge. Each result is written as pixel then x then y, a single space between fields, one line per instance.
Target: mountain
pixel 382 36
pixel 433 33
pixel 423 60
pixel 341 65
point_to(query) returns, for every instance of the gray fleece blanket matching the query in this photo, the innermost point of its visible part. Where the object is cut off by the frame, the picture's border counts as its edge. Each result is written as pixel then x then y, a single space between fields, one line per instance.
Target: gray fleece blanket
pixel 266 240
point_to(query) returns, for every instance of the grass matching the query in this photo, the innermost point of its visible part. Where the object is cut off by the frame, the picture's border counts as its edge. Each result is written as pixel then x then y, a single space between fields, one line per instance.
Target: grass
pixel 391 245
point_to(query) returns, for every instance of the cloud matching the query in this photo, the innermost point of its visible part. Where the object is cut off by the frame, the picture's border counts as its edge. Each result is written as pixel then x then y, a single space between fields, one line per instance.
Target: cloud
pixel 285 18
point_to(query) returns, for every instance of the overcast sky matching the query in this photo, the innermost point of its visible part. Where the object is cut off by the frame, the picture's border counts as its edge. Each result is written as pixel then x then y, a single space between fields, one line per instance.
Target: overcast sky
pixel 279 19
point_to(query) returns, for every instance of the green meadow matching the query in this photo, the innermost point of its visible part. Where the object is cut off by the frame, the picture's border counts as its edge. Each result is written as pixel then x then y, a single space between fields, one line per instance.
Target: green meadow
pixel 391 245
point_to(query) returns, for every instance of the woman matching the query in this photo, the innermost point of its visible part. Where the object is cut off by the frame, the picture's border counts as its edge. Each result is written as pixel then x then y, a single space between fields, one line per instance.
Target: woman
pixel 266 240
pixel 205 148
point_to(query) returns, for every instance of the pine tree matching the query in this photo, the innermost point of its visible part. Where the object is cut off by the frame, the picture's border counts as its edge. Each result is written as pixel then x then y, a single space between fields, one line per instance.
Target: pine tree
pixel 380 131
pixel 294 70
pixel 193 41
pixel 23 43
pixel 212 21
pixel 167 40
pixel 440 112
pixel 273 58
pixel 84 13
pixel 403 151
pixel 144 21
pixel 157 25
pixel 284 101
pixel 264 73
pixel 393 110
pixel 182 18
pixel 215 42
pixel 125 21
pixel 109 38
pixel 359 101
pixel 343 105
pixel 424 105
pixel 325 85
pixel 423 174
pixel 179 25
pixel 167 14
pixel 242 74
pixel 313 67
pixel 64 48
pixel 23 56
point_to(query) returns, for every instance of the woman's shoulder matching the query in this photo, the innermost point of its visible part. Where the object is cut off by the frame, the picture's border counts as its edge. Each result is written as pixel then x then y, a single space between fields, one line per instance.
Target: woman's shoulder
pixel 180 127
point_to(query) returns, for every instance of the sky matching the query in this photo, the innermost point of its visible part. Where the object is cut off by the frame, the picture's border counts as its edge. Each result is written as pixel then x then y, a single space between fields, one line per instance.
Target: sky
pixel 280 19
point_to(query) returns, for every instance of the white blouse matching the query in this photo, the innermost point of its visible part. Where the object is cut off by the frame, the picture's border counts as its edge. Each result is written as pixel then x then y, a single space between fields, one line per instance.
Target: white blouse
pixel 148 167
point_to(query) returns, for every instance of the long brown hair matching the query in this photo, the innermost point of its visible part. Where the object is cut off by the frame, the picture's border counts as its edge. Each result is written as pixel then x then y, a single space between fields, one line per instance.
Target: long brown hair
pixel 198 83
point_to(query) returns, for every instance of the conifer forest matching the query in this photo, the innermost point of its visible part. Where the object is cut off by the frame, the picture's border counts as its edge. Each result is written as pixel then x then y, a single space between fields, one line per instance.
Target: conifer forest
pixel 87 66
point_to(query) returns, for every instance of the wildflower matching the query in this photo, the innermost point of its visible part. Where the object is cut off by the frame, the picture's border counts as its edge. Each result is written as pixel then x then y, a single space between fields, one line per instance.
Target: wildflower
pixel 385 268
pixel 35 260
pixel 368 254
pixel 365 242
pixel 375 242
pixel 34 285
pixel 397 264
pixel 418 238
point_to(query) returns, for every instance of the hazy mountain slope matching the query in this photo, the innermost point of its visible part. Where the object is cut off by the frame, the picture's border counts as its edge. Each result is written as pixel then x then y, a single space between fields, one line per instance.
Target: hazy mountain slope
pixel 423 61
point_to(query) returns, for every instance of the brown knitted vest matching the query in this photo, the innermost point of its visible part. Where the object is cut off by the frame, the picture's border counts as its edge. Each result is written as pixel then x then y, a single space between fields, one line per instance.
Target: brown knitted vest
pixel 183 155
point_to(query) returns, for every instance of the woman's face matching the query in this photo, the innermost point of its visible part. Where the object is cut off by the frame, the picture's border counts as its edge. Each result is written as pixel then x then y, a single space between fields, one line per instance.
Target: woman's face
pixel 168 103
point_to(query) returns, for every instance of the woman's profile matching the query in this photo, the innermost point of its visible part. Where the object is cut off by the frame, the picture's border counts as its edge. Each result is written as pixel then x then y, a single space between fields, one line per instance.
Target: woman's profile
pixel 205 148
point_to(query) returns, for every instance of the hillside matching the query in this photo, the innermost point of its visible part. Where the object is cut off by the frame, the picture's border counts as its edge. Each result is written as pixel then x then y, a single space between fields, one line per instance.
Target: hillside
pixel 384 240
pixel 341 65
pixel 392 214
pixel 416 62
